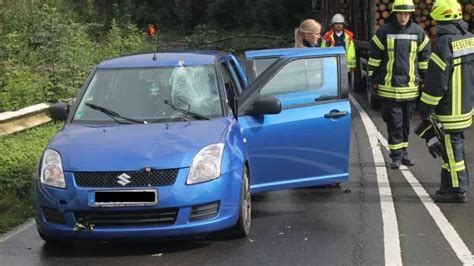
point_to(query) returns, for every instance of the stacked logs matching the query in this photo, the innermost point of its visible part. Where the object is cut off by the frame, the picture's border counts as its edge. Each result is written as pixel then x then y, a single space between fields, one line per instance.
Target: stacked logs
pixel 422 17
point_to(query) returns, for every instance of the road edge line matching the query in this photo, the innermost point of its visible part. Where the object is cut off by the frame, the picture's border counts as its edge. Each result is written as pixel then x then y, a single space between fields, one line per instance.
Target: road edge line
pixel 392 249
pixel 11 233
pixel 447 229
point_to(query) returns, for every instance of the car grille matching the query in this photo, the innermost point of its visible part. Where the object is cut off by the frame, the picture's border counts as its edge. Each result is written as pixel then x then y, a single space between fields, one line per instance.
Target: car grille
pixel 133 179
pixel 156 217
pixel 203 212
pixel 53 216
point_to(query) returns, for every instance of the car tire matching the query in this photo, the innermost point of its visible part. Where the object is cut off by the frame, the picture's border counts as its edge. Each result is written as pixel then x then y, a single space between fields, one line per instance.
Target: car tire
pixel 372 99
pixel 242 227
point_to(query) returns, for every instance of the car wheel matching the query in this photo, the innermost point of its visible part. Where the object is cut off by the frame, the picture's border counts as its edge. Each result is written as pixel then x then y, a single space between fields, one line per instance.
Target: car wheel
pixel 242 227
pixel 372 99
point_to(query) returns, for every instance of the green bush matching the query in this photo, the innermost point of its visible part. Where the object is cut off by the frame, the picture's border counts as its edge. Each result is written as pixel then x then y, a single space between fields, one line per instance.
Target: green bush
pixel 19 156
pixel 20 88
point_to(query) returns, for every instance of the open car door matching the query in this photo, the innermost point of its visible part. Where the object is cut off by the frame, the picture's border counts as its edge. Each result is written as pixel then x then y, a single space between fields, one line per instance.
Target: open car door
pixel 307 144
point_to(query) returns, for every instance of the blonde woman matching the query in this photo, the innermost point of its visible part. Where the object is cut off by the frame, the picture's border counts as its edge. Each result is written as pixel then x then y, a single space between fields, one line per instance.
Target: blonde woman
pixel 308 34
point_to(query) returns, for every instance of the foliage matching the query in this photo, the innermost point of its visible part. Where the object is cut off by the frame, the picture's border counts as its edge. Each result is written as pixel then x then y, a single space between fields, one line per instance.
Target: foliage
pixel 17 92
pixel 46 54
pixel 205 36
pixel 19 156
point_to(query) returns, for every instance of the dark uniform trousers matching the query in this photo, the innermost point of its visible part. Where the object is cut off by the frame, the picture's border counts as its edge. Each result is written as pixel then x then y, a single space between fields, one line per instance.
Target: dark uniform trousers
pixel 454 175
pixel 397 115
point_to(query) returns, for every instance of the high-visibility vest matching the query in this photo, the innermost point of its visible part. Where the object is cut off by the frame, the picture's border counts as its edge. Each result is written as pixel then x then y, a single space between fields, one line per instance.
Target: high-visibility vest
pixel 328 41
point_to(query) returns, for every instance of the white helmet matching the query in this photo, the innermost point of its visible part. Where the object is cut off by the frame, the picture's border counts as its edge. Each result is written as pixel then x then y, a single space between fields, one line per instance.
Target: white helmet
pixel 338 18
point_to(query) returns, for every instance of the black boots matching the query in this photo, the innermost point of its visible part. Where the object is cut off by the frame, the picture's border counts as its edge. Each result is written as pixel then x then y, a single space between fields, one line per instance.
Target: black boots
pixel 443 197
pixel 407 162
pixel 395 164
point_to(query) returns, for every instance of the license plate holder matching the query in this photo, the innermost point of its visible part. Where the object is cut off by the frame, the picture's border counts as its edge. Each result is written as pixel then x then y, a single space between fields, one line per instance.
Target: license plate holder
pixel 123 198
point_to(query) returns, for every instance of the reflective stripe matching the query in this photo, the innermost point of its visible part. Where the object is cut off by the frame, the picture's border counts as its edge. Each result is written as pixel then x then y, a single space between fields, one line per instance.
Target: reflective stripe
pixel 451 160
pixel 451 118
pixel 378 43
pixel 435 58
pixel 430 100
pixel 456 89
pixel 398 89
pixel 464 51
pixel 411 64
pixel 374 62
pixel 457 125
pixel 463 47
pixel 459 166
pixel 423 44
pixel 391 60
pixel 403 36
pixel 422 134
pixel 397 146
pixel 423 65
pixel 397 96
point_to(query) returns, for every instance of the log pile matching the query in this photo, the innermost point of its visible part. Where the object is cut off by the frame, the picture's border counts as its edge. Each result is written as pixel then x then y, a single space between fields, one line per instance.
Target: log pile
pixel 421 15
pixel 422 12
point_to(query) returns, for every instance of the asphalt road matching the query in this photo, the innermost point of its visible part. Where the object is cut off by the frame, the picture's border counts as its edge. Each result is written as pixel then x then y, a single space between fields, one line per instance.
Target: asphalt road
pixel 313 226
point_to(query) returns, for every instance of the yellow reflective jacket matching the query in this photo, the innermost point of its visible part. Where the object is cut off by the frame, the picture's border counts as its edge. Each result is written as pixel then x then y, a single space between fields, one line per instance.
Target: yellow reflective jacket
pixel 328 41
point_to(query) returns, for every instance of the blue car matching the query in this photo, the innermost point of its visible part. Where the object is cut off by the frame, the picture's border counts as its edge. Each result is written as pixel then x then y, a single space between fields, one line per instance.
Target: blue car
pixel 172 144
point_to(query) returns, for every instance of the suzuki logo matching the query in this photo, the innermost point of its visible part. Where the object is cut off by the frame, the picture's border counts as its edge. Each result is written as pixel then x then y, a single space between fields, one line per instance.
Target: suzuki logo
pixel 123 179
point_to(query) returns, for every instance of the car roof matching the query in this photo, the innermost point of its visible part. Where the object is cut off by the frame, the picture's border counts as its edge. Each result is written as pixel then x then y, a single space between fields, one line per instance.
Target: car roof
pixel 187 58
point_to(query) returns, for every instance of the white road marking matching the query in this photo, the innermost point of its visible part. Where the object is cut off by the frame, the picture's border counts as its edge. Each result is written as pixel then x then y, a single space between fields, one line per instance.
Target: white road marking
pixel 16 230
pixel 392 250
pixel 448 231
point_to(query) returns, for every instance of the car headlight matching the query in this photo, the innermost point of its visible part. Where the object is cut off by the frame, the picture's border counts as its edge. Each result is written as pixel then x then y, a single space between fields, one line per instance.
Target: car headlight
pixel 206 164
pixel 52 169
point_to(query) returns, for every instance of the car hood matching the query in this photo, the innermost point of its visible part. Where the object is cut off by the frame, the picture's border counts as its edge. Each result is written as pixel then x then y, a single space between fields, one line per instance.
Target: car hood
pixel 136 146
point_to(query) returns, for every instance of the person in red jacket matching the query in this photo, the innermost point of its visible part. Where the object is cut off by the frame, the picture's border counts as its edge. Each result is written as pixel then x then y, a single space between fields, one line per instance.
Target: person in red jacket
pixel 338 35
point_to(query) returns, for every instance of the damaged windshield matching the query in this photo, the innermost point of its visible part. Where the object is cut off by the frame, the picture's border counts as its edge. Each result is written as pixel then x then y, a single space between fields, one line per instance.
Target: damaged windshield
pixel 151 95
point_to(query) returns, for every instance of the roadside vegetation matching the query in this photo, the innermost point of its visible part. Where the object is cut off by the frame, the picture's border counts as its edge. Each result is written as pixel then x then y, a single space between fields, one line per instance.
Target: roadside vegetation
pixel 19 156
pixel 48 47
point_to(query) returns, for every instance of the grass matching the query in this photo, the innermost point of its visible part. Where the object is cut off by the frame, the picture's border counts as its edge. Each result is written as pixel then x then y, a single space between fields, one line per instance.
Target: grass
pixel 19 155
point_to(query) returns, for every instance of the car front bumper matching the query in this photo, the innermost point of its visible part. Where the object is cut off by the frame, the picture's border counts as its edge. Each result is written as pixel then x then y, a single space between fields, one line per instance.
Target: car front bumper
pixel 57 210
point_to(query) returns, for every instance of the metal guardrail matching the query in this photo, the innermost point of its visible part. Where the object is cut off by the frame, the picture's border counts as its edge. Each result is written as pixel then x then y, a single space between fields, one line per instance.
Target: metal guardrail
pixel 32 116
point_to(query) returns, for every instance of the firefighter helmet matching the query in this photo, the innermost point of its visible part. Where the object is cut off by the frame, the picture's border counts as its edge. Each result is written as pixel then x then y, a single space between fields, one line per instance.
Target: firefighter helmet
pixel 338 18
pixel 403 6
pixel 446 10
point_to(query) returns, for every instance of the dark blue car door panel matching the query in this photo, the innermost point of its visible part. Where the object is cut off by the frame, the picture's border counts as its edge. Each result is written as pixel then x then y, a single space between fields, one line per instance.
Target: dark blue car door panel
pixel 308 143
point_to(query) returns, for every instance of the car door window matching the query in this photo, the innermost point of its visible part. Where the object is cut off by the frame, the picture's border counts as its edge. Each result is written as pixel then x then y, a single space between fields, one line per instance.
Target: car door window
pixel 303 80
pixel 238 77
pixel 229 85
pixel 262 63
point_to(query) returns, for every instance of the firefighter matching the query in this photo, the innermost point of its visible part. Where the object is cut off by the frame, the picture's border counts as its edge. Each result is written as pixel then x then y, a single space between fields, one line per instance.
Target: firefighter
pixel 449 93
pixel 338 35
pixel 399 55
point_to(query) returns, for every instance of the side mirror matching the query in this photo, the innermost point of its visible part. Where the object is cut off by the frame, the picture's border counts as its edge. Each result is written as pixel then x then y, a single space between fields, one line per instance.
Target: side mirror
pixel 59 111
pixel 266 105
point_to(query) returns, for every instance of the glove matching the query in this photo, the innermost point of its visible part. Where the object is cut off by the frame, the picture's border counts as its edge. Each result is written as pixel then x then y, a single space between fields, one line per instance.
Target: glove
pixel 373 82
pixel 434 147
pixel 426 131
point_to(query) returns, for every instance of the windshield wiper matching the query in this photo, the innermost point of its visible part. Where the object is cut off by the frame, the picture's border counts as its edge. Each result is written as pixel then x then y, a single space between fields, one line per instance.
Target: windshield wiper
pixel 114 115
pixel 186 112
